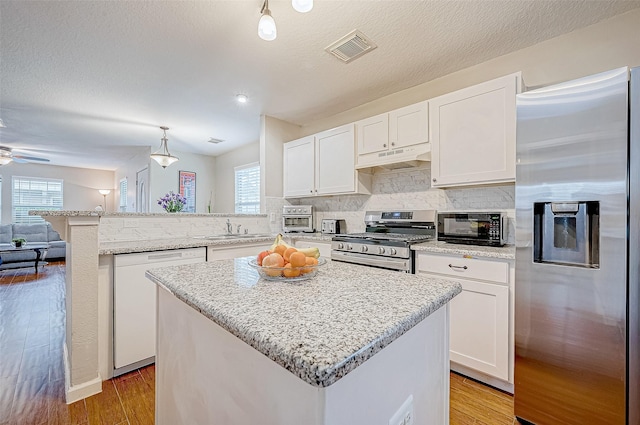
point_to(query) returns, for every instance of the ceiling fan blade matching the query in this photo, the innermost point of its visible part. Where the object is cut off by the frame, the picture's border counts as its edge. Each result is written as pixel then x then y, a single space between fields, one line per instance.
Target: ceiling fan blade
pixel 29 158
pixel 19 161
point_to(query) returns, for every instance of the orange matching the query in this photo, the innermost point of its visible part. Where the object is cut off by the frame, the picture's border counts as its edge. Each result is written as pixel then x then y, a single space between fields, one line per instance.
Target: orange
pixel 309 263
pixel 273 260
pixel 297 259
pixel 280 249
pixel 288 253
pixel 290 272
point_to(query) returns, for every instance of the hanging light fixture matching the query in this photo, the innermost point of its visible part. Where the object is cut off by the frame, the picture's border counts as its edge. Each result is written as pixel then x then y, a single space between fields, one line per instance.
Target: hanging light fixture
pixel 302 6
pixel 162 155
pixel 267 26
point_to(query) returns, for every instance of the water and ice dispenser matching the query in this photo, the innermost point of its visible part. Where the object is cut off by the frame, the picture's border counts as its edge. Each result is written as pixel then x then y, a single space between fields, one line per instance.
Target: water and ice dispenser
pixel 567 233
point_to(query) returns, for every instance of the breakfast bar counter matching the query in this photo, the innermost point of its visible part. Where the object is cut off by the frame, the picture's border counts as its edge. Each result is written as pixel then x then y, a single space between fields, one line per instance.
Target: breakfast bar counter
pixel 350 345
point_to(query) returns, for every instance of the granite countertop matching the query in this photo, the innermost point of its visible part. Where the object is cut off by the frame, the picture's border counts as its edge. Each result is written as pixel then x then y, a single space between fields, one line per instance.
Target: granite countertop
pixel 316 236
pixel 128 247
pixel 319 329
pixel 507 252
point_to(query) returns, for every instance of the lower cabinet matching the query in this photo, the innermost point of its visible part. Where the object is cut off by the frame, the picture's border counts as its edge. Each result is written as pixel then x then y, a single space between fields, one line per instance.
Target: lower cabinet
pixel 481 325
pixel 225 252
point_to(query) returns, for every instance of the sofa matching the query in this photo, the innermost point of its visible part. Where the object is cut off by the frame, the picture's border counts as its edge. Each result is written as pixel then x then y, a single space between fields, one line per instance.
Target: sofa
pixel 40 232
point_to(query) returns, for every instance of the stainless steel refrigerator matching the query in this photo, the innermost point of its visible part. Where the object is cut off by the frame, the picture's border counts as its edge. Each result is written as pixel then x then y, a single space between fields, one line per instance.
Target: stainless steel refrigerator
pixel 578 251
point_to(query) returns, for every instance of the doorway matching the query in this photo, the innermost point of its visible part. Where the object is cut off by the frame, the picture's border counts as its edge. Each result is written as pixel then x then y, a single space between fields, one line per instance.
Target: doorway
pixel 142 197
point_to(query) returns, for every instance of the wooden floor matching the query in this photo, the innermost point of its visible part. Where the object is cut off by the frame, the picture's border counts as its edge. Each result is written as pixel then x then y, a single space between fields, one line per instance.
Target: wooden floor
pixel 32 373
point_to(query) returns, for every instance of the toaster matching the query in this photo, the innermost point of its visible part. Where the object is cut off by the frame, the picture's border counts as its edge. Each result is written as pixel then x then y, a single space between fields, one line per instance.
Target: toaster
pixel 333 226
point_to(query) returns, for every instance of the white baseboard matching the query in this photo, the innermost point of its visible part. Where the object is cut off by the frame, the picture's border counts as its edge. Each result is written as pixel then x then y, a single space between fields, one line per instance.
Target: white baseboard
pixel 482 377
pixel 80 391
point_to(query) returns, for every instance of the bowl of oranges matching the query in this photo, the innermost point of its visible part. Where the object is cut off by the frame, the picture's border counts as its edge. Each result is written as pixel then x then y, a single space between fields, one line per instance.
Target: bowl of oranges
pixel 287 263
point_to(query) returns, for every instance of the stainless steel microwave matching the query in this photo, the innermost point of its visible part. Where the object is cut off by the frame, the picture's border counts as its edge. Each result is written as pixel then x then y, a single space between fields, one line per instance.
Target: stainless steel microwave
pixel 472 228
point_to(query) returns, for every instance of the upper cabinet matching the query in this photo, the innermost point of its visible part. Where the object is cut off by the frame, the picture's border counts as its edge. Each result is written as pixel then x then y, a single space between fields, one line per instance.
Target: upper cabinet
pixel 299 167
pixel 473 134
pixel 392 137
pixel 323 164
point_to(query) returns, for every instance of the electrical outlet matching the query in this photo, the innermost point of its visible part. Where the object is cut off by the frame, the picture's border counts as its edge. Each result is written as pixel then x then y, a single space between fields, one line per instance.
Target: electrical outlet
pixel 404 415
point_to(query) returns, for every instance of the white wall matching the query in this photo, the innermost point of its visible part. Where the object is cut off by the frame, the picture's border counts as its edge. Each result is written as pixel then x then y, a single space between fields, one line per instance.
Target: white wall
pixel 273 133
pixel 128 170
pixel 607 45
pixel 80 190
pixel 225 175
pixel 163 180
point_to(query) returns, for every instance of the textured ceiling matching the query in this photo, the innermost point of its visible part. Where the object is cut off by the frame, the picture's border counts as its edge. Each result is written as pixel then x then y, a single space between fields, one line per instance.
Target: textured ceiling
pixel 87 83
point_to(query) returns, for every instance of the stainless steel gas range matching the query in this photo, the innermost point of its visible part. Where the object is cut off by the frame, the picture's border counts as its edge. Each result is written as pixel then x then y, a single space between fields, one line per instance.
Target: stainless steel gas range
pixel 387 241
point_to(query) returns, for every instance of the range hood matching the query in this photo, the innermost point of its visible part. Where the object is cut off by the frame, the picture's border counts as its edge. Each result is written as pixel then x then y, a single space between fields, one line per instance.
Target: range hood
pixel 405 157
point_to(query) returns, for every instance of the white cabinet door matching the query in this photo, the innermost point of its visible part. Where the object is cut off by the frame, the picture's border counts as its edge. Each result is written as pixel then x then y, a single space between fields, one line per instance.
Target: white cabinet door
pixel 409 125
pixel 299 166
pixel 479 330
pixel 220 252
pixel 335 161
pixel 473 134
pixel 324 247
pixel 372 134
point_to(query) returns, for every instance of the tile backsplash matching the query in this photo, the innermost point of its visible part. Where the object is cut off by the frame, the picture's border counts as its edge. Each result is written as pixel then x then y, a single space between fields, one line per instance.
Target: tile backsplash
pixel 410 189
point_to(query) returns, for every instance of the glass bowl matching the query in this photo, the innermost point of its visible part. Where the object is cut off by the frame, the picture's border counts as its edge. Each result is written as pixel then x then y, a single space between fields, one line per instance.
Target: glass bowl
pixel 287 274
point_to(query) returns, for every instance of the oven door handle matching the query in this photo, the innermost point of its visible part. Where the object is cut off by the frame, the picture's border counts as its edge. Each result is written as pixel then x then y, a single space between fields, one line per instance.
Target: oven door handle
pixel 369 260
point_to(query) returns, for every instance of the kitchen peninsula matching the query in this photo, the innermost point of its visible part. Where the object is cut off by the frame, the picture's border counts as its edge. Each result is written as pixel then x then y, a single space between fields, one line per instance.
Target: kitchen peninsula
pixel 349 346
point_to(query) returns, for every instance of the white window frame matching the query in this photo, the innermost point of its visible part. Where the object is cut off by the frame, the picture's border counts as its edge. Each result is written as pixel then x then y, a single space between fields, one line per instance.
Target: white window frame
pixel 247 206
pixel 124 188
pixel 23 201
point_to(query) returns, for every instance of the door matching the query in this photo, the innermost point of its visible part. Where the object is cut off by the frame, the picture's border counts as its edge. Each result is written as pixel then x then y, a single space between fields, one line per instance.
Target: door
pixel 299 167
pixel 335 161
pixel 142 189
pixel 373 134
pixel 473 134
pixel 409 125
pixel 479 330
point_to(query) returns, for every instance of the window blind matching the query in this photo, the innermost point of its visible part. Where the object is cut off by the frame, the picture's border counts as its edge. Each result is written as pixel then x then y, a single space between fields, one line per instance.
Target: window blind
pixel 123 195
pixel 34 194
pixel 248 189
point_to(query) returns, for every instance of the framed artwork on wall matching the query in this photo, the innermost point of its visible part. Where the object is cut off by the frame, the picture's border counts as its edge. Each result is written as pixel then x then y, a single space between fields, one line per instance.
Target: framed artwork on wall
pixel 187 184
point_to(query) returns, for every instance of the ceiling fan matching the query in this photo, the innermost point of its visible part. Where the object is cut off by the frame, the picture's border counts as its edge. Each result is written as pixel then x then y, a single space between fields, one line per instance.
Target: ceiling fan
pixel 7 155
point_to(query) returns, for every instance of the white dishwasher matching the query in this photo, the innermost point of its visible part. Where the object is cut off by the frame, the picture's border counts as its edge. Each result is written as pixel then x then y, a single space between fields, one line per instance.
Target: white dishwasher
pixel 134 304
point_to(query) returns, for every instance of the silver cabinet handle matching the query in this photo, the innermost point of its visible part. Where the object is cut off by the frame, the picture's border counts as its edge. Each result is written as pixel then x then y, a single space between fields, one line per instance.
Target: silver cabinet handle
pixel 458 267
pixel 393 144
pixel 384 145
pixel 434 180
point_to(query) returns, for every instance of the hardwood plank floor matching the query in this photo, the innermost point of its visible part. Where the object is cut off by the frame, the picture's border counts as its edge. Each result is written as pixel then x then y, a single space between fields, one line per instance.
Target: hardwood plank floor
pixel 32 369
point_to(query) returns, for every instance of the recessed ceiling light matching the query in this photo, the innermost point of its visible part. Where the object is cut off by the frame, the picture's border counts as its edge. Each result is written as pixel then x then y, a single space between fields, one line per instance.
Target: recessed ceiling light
pixel 242 98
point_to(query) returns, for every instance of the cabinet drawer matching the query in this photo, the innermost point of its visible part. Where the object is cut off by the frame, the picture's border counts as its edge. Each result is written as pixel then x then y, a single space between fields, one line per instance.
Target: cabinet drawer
pixel 468 268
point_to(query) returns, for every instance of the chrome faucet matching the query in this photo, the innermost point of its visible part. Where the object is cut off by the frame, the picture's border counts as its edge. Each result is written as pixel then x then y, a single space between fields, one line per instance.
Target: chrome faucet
pixel 238 228
pixel 229 227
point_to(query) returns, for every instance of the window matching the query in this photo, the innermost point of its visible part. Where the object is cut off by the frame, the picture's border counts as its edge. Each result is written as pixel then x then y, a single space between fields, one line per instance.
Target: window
pixel 31 193
pixel 123 195
pixel 248 189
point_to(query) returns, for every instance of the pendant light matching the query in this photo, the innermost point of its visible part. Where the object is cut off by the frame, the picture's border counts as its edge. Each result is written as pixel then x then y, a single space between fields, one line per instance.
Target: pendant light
pixel 302 6
pixel 162 155
pixel 267 26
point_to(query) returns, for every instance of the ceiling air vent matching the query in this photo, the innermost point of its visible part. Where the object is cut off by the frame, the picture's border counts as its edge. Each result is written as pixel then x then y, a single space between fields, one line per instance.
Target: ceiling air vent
pixel 215 141
pixel 351 46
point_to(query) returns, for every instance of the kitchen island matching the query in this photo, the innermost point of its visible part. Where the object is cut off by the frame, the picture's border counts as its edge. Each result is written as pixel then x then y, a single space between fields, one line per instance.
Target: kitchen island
pixel 349 346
